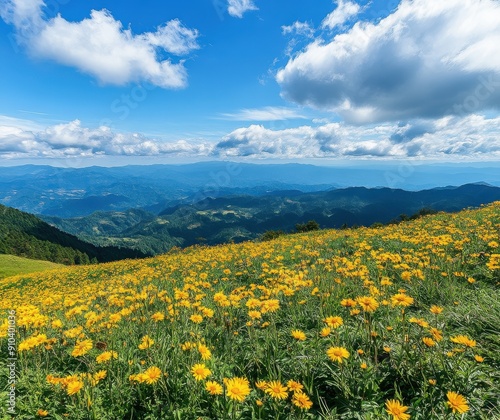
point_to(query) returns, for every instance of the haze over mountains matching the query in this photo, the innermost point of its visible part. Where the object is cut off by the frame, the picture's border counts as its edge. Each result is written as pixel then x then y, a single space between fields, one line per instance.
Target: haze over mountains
pixel 244 217
pixel 154 208
pixel 72 192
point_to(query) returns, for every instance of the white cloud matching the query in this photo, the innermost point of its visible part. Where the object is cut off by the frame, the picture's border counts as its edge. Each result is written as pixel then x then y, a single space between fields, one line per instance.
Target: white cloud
pixel 472 137
pixel 298 33
pixel 427 59
pixel 25 15
pixel 174 37
pixel 74 140
pixel 331 140
pixel 299 28
pixel 101 47
pixel 237 8
pixel 268 113
pixel 344 11
pixel 15 140
pixel 449 138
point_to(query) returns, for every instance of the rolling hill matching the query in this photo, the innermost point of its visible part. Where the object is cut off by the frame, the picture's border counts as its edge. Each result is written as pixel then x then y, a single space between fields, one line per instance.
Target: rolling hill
pixel 237 218
pixel 332 324
pixel 26 235
pixel 10 265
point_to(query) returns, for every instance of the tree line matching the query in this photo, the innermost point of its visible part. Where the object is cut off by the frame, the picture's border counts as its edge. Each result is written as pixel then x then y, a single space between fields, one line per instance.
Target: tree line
pixel 25 235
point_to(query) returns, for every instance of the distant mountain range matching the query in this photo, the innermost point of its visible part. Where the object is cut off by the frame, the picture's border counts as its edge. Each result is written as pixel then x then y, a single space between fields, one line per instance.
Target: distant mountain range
pixel 237 218
pixel 151 209
pixel 74 192
pixel 25 235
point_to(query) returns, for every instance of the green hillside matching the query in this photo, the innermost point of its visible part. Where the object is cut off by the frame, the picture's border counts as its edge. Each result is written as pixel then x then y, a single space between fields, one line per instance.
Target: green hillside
pixel 237 218
pixel 10 265
pixel 349 324
pixel 25 235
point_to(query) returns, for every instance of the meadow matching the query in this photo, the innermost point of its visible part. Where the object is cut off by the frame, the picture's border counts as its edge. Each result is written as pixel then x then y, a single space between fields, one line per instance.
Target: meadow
pixel 11 265
pixel 394 322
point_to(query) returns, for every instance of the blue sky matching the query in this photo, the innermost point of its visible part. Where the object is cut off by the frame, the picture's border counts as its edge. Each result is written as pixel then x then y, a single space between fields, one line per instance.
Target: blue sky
pixel 108 82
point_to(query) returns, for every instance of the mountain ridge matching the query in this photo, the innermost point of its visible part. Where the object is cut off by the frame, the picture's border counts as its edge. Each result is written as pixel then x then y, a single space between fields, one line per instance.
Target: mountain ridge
pixel 25 235
pixel 72 192
pixel 236 218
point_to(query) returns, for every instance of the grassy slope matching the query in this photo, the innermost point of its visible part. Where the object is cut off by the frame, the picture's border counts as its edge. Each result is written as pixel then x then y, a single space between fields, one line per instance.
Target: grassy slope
pixel 26 235
pixel 444 260
pixel 238 218
pixel 10 265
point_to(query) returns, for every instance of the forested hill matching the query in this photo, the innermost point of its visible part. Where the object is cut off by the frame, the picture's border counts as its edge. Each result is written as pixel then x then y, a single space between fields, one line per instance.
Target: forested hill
pixel 26 235
pixel 238 218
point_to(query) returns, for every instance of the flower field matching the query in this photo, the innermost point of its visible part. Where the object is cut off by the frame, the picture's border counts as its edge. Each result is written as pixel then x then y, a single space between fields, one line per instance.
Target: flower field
pixel 394 322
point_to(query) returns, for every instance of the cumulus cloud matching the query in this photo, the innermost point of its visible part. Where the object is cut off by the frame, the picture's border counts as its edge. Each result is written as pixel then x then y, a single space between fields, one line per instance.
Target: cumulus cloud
pixel 268 113
pixel 174 37
pixel 345 10
pixel 237 8
pixel 448 138
pixel 427 59
pixel 25 15
pixel 331 140
pixel 15 140
pixel 73 140
pixel 407 132
pixel 101 46
pixel 471 137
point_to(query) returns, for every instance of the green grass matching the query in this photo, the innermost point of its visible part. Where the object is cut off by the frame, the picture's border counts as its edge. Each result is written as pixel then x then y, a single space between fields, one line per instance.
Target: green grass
pixel 11 265
pixel 357 317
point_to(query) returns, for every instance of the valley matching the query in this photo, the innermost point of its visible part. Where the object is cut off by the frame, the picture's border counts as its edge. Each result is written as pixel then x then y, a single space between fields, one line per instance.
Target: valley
pixel 237 218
